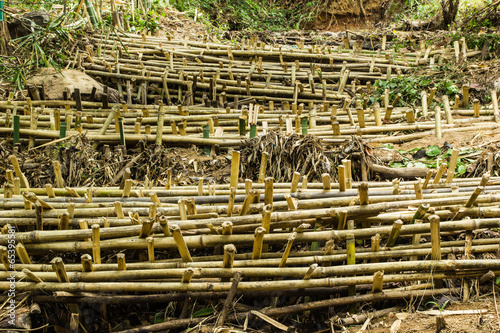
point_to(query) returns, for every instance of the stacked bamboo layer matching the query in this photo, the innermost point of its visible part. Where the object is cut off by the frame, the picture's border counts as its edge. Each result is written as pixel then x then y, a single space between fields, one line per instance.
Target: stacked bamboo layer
pixel 180 241
pixel 219 94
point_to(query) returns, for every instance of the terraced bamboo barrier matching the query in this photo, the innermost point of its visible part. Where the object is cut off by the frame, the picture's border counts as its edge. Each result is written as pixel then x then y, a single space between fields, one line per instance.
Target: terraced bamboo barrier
pixel 221 240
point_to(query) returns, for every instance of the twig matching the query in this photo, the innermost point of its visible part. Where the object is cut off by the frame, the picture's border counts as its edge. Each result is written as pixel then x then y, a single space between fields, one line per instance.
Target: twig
pixel 229 299
pixel 495 300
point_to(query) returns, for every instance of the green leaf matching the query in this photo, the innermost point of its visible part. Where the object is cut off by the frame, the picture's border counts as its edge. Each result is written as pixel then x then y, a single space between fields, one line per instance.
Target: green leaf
pixel 414 150
pixel 432 151
pixel 448 153
pixel 397 165
pixel 461 169
pixel 203 312
pixel 159 318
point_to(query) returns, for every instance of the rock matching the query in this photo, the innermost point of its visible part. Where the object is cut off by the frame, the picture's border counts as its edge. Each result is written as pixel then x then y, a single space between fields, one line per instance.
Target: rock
pixel 22 26
pixel 55 83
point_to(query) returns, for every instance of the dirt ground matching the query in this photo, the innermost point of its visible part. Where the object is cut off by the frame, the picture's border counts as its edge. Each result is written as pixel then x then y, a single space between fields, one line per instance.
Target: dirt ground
pixel 422 322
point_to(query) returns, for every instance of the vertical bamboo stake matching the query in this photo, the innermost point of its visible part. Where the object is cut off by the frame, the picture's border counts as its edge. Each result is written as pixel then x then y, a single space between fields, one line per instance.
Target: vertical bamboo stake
pixel 295 182
pixel 147 224
pixel 263 165
pixel 245 208
pixel 96 243
pixel 182 209
pixel 181 244
pixel 187 275
pixel 376 114
pixel 266 223
pixel 57 173
pixel 427 179
pixel 475 102
pixel 230 205
pixel 127 188
pixel 467 256
pixel 348 174
pixel 439 173
pixel 22 254
pixel 310 271
pixel 258 242
pixel 393 236
pixel 421 211
pixel 58 267
pixel 378 282
pixel 474 195
pixel 168 183
pixel 288 248
pixel 363 194
pixel 86 261
pixel 17 185
pixel 416 239
pixel 435 237
pixel 465 93
pixel 31 276
pixel 64 221
pixel 326 181
pixel 342 178
pixel 425 111
pixel 227 228
pixel 417 185
pixel 248 186
pixel 119 210
pixel 351 260
pixel 268 191
pixel 361 117
pixel 447 109
pixel 437 116
pixel 235 168
pixel 17 170
pixel 151 249
pixel 494 101
pixel 228 259
pixel 375 246
pixel 122 265
pixel 485 179
pixel 451 168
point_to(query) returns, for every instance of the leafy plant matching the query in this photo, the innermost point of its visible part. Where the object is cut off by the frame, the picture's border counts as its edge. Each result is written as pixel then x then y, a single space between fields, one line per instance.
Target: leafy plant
pixel 440 307
pixel 254 15
pixel 41 48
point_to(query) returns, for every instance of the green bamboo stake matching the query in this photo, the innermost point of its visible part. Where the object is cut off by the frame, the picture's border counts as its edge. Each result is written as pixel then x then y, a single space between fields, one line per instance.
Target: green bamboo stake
pixel 304 123
pixel 122 133
pixel 62 130
pixel 253 131
pixel 351 260
pixel 206 135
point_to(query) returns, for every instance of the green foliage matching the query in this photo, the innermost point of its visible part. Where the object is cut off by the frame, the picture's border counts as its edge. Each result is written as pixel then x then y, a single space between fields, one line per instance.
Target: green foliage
pixel 203 312
pixel 41 48
pixel 440 307
pixel 410 88
pixel 432 151
pixel 418 10
pixel 253 15
pixel 433 154
pixel 476 40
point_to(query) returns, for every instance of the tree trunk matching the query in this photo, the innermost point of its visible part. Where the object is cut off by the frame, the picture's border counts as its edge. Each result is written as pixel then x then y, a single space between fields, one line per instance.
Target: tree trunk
pixel 449 10
pixel 4 38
